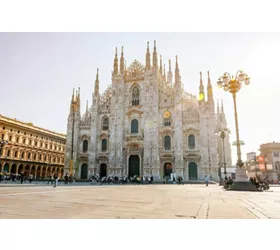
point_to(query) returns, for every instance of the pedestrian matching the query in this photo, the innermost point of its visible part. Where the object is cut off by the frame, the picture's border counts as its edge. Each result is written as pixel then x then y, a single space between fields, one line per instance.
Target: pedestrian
pixel 206 180
pixel 30 178
pixel 66 179
pixel 152 179
pixel 55 177
pixel 21 178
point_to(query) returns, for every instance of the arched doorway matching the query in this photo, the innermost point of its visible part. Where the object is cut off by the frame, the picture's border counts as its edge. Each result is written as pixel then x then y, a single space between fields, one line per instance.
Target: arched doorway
pixel 33 169
pixel 20 169
pixel 167 169
pixel 192 171
pixel 84 171
pixel 48 172
pixel 43 172
pixel 134 165
pixel 103 170
pixel 38 172
pixel 14 169
pixel 6 167
pixel 27 170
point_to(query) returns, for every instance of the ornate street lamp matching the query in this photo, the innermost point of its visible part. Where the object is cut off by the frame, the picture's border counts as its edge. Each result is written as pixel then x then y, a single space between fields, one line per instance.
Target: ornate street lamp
pixel 223 133
pixel 233 85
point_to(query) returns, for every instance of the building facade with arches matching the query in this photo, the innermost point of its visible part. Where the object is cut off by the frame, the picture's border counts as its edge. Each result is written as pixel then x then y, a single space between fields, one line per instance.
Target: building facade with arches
pixel 144 124
pixel 30 149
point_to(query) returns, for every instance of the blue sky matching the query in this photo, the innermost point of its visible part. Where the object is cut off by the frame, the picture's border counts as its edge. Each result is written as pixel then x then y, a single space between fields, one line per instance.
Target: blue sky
pixel 39 70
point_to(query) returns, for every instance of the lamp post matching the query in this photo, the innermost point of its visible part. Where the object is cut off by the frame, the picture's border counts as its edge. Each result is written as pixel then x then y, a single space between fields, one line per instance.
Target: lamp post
pixel 222 134
pixel 233 85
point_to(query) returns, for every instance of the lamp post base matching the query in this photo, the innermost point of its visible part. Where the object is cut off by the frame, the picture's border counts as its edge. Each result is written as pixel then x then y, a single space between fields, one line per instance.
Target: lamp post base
pixel 241 182
pixel 240 175
pixel 243 186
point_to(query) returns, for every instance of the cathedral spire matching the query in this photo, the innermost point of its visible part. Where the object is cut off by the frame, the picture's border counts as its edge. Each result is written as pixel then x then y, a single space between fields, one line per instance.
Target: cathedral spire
pixel 77 95
pixel 160 65
pixel 164 75
pixel 155 64
pixel 177 74
pixel 209 90
pixel 218 107
pixel 96 87
pixel 77 101
pixel 169 75
pixel 87 108
pixel 222 107
pixel 73 96
pixel 73 103
pixel 116 63
pixel 169 61
pixel 148 58
pixel 201 89
pixel 122 62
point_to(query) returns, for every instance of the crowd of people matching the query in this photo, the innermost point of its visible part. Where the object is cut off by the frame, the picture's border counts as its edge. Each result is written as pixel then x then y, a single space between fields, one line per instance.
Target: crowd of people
pixel 16 178
pixel 23 178
pixel 114 179
pixel 259 182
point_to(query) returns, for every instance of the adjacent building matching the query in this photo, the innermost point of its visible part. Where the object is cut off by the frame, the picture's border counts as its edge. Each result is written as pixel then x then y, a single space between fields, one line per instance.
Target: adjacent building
pixel 251 156
pixel 29 149
pixel 268 163
pixel 145 123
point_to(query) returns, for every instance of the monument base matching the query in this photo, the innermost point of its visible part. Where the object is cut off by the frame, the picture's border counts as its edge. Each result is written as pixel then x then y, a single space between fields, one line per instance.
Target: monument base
pixel 243 186
pixel 241 182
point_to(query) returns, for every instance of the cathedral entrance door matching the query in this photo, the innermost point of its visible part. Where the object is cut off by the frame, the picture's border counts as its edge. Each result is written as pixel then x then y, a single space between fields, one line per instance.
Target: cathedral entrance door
pixel 84 171
pixel 134 166
pixel 103 170
pixel 192 171
pixel 167 170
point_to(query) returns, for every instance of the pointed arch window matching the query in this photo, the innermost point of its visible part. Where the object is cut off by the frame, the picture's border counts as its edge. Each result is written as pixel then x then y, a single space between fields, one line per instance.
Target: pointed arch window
pixel 167 142
pixel 191 141
pixel 85 145
pixel 134 126
pixel 135 96
pixel 105 124
pixel 104 145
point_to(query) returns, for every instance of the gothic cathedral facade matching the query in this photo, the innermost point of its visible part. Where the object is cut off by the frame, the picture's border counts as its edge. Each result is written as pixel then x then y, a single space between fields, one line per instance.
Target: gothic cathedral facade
pixel 145 124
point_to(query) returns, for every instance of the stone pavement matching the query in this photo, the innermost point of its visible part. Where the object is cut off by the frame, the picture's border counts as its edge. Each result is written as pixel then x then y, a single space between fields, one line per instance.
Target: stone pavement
pixel 139 202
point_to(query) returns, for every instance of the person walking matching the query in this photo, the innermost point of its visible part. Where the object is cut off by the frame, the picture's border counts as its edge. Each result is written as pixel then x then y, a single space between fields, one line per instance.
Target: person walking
pixel 21 178
pixel 30 178
pixel 55 177
pixel 206 180
pixel 66 179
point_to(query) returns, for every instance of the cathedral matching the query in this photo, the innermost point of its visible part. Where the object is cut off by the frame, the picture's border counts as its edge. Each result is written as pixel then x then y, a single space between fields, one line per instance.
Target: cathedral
pixel 146 124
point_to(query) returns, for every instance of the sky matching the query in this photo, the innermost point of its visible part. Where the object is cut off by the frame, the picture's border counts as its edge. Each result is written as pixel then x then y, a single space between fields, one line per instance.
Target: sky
pixel 38 72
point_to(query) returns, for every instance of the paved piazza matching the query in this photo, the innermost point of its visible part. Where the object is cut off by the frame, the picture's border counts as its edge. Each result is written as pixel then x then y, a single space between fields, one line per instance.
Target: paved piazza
pixel 139 202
